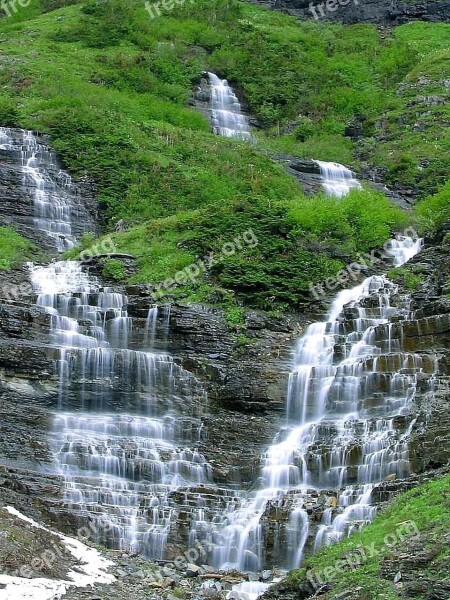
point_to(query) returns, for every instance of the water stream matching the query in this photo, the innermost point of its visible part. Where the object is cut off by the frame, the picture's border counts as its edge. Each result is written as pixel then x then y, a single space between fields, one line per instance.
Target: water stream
pixel 337 179
pixel 350 383
pixel 226 115
pixel 128 420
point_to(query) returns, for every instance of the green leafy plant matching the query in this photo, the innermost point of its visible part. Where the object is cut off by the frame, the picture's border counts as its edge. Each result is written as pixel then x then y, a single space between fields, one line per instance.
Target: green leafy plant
pixel 13 248
pixel 113 269
pixel 407 277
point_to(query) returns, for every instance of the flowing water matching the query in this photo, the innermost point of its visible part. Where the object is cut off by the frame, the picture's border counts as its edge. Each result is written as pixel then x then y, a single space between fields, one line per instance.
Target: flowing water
pixel 126 419
pixel 337 179
pixel 226 114
pixel 350 384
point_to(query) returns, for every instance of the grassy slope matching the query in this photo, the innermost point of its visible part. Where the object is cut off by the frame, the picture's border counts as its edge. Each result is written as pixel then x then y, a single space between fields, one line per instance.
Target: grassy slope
pixel 112 87
pixel 428 507
pixel 13 248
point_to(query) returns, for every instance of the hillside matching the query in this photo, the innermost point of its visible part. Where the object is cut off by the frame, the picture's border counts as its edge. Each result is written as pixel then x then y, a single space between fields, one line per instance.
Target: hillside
pixel 122 120
pixel 224 300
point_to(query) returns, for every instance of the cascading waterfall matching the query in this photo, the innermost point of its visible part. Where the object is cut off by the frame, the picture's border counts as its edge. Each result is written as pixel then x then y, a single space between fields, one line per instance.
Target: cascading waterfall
pixel 126 418
pixel 350 382
pixel 52 209
pixel 128 421
pixel 337 179
pixel 226 114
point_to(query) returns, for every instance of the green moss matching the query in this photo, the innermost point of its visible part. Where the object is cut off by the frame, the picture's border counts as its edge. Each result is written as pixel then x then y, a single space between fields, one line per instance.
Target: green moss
pixel 13 248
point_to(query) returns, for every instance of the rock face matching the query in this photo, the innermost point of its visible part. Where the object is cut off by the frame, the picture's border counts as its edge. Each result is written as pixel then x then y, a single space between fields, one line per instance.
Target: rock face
pixel 384 12
pixel 17 206
pixel 244 369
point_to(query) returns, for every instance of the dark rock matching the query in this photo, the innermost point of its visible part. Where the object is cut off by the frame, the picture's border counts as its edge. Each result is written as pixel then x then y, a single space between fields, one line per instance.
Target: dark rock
pixel 384 12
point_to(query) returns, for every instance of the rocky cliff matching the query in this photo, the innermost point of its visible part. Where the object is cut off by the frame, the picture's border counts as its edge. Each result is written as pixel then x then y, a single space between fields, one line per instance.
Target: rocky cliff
pixel 244 371
pixel 383 12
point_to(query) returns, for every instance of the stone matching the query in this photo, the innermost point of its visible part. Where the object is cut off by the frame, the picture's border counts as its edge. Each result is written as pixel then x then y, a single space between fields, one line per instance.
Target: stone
pixel 122 573
pixel 382 12
pixel 137 575
pixel 193 570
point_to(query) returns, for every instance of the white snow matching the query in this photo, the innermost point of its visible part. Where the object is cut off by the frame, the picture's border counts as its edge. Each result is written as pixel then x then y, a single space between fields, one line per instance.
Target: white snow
pixel 92 570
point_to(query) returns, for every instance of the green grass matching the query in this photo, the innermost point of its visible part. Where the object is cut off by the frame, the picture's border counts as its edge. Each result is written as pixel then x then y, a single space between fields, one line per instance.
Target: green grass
pixel 13 248
pixel 409 277
pixel 293 243
pixel 112 87
pixel 427 507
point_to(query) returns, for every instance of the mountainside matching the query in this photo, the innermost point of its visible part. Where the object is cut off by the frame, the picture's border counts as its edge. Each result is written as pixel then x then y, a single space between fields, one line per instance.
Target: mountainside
pixel 231 348
pixel 383 12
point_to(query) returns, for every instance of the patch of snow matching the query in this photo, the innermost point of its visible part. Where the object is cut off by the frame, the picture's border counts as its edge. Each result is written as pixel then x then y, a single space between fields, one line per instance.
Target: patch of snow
pixel 92 570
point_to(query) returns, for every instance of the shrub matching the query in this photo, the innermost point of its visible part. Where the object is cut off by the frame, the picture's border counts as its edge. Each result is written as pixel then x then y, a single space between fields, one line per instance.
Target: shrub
pixel 13 248
pixel 113 269
pixel 434 211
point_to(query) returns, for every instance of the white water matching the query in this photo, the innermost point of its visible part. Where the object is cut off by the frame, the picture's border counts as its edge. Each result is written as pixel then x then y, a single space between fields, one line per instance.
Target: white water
pixel 337 179
pixel 226 113
pixel 51 204
pixel 247 590
pixel 127 420
pixel 119 467
pixel 340 433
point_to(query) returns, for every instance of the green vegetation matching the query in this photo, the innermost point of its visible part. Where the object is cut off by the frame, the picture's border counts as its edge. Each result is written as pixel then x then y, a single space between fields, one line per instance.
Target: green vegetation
pixel 433 212
pixel 113 269
pixel 13 248
pixel 235 317
pixel 428 508
pixel 120 115
pixel 293 243
pixel 409 277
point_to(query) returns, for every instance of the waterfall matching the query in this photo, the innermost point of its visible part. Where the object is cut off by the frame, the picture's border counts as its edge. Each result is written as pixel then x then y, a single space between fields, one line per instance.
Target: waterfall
pixel 226 114
pixel 350 381
pixel 127 421
pixel 337 179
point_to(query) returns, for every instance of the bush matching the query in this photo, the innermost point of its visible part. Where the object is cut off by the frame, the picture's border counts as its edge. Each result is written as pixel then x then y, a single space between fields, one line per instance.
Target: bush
pixel 13 248
pixel 113 269
pixel 9 116
pixel 433 212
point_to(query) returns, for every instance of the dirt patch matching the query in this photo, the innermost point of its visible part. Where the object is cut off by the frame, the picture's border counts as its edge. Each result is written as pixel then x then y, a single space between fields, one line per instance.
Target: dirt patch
pixel 26 551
